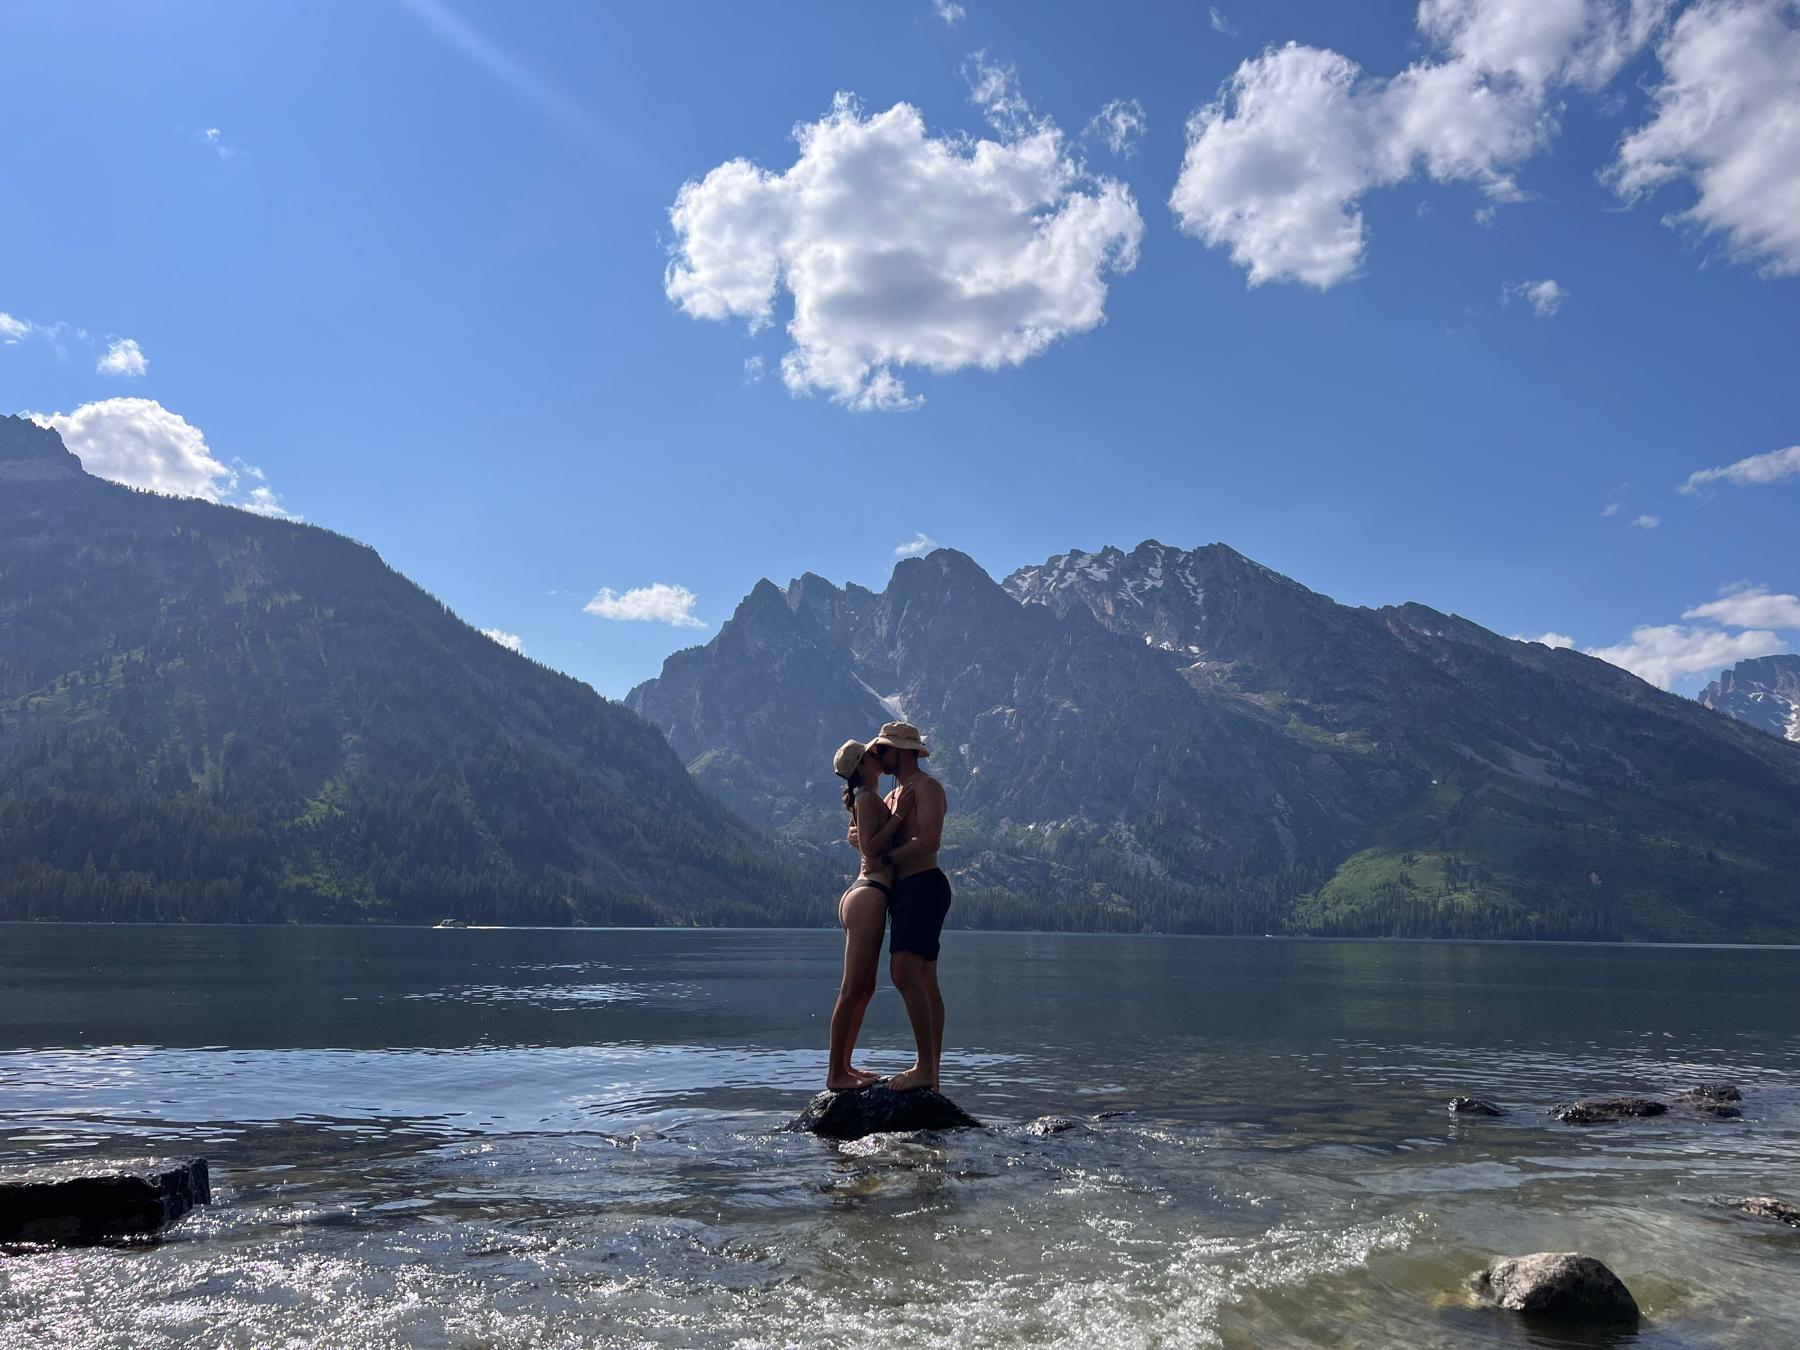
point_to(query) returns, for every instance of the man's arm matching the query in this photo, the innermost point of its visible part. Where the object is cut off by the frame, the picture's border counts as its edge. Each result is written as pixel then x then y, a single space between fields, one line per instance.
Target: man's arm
pixel 927 816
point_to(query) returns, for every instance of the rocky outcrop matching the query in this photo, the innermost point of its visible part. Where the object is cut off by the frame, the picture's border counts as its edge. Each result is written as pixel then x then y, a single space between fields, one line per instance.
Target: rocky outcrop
pixel 1558 1286
pixel 33 454
pixel 880 1110
pixel 1764 693
pixel 1475 1106
pixel 88 1202
pixel 1602 1110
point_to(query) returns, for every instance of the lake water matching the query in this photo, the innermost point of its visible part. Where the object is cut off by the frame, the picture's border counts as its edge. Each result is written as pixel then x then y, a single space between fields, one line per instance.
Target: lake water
pixel 515 1137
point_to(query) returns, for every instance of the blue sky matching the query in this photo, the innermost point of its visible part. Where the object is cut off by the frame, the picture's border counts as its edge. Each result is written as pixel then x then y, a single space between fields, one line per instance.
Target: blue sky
pixel 409 261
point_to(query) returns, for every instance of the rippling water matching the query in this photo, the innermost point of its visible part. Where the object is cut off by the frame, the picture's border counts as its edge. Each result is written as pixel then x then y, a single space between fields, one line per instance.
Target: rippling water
pixel 571 1138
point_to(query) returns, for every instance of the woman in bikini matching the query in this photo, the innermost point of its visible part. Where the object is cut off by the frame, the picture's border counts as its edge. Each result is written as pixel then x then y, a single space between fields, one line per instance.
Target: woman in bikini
pixel 862 909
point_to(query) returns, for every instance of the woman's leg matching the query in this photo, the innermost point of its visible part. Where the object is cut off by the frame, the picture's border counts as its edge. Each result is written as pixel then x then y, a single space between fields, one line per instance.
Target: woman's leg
pixel 863 911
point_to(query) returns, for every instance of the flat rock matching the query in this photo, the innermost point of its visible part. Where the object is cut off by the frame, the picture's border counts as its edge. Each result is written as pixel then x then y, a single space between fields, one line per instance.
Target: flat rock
pixel 1768 1207
pixel 1475 1106
pixel 1558 1286
pixel 79 1202
pixel 1599 1110
pixel 1713 1099
pixel 880 1110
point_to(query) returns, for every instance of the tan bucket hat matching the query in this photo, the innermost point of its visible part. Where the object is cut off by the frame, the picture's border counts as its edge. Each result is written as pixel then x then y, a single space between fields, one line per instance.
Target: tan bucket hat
pixel 901 736
pixel 848 756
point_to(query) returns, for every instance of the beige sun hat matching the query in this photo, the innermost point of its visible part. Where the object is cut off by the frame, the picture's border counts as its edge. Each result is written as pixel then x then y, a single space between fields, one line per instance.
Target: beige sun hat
pixel 900 736
pixel 848 756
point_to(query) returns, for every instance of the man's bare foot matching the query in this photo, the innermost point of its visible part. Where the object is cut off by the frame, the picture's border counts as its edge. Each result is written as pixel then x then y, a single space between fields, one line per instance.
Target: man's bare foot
pixel 845 1082
pixel 865 1075
pixel 914 1077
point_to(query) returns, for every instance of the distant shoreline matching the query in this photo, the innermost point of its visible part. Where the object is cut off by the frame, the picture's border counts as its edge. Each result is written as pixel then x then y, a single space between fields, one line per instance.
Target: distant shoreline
pixel 958 932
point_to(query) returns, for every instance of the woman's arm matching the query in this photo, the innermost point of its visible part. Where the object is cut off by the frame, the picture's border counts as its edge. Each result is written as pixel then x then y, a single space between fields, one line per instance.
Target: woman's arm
pixel 884 837
pixel 872 832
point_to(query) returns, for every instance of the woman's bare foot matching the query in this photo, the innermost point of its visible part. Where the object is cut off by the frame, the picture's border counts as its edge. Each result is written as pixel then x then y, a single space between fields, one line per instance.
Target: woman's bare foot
pixel 845 1082
pixel 867 1077
pixel 914 1077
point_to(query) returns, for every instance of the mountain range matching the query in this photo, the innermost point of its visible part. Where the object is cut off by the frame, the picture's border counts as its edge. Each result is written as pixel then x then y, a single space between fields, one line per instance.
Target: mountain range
pixel 1184 739
pixel 206 714
pixel 1763 692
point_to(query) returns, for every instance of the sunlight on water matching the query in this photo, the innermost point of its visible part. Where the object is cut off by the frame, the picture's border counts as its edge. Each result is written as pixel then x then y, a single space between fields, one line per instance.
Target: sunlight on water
pixel 531 1138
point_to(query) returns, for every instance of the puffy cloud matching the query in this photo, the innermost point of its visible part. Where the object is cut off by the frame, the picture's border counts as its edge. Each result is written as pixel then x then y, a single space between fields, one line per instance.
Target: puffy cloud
pixel 139 442
pixel 900 249
pixel 13 330
pixel 1545 297
pixel 1752 471
pixel 1727 119
pixel 1646 522
pixel 1277 165
pixel 1746 606
pixel 655 603
pixel 1670 652
pixel 920 543
pixel 949 11
pixel 1119 126
pixel 511 641
pixel 1548 639
pixel 123 357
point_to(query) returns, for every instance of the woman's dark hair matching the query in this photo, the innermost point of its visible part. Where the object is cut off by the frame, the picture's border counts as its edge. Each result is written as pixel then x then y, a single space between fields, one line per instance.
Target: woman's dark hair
pixel 850 796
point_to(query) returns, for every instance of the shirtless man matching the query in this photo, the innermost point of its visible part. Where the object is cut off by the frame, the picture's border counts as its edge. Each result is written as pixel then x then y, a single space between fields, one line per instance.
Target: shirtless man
pixel 921 896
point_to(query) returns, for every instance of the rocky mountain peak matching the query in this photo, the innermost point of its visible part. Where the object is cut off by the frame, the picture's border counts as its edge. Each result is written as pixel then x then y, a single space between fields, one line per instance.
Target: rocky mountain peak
pixel 1764 692
pixel 30 453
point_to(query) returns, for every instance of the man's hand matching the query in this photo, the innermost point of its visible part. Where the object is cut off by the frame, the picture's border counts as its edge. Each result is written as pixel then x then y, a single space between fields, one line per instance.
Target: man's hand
pixel 854 837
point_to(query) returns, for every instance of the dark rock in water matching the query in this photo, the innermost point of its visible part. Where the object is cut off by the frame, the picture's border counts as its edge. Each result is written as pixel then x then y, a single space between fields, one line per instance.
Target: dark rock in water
pixel 1600 1110
pixel 880 1110
pixel 1768 1207
pixel 1713 1099
pixel 88 1202
pixel 1475 1106
pixel 1052 1125
pixel 1558 1286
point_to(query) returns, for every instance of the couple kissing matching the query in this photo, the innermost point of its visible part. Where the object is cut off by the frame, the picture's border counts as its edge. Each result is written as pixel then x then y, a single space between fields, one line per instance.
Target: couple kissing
pixel 898 881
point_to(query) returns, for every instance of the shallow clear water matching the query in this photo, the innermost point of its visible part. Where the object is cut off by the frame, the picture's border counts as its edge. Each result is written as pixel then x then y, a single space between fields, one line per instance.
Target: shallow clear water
pixel 571 1138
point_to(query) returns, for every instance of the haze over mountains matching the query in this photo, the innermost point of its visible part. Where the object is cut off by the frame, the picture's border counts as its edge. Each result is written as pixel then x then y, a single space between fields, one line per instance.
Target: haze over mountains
pixel 206 714
pixel 1168 738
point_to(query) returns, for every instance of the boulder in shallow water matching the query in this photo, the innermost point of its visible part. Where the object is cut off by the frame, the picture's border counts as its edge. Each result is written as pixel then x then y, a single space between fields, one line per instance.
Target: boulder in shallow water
pixel 1052 1125
pixel 1713 1099
pixel 1600 1110
pixel 78 1202
pixel 1768 1207
pixel 1475 1106
pixel 1558 1286
pixel 880 1110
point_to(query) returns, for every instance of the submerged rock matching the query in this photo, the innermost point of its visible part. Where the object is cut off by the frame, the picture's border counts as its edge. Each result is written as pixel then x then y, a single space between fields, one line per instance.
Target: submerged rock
pixel 1558 1286
pixel 92 1202
pixel 1713 1099
pixel 1052 1125
pixel 1599 1110
pixel 880 1110
pixel 1768 1207
pixel 1475 1106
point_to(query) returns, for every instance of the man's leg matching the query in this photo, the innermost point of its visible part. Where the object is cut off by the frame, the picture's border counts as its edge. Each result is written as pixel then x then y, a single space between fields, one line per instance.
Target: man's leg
pixel 929 974
pixel 908 972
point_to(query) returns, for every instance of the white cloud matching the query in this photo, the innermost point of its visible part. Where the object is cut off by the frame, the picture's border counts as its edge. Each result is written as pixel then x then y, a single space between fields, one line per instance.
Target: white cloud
pixel 1647 521
pixel 1545 297
pixel 1220 24
pixel 918 544
pixel 1611 510
pixel 900 249
pixel 656 603
pixel 1548 639
pixel 13 330
pixel 123 357
pixel 1662 655
pixel 139 442
pixel 1750 607
pixel 1277 165
pixel 511 641
pixel 753 370
pixel 1752 471
pixel 1119 126
pixel 1727 119
pixel 949 11
pixel 214 140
